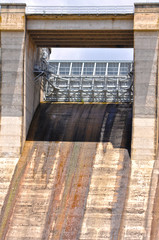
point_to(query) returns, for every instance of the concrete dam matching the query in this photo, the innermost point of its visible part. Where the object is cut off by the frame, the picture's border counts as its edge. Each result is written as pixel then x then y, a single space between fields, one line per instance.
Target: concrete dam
pixel 71 180
pixel 85 171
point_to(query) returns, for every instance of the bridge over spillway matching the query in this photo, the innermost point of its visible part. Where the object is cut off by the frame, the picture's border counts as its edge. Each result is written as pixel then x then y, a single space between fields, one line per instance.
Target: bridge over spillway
pixel 23 31
pixel 85 27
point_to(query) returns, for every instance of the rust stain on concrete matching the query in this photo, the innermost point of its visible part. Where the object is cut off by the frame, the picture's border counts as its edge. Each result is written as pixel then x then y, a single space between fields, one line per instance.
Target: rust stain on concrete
pixel 73 182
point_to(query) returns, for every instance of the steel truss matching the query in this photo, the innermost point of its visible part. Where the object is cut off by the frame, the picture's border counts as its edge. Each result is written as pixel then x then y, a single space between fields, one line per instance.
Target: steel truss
pixel 61 85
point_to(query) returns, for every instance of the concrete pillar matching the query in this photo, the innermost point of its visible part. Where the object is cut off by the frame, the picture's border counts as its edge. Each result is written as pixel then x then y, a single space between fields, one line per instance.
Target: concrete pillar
pixel 31 89
pixel 138 212
pixel 12 84
pixel 12 36
pixel 146 45
pixel 20 96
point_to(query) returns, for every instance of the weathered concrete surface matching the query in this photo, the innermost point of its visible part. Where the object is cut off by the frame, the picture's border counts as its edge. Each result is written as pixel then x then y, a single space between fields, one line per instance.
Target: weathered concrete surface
pixel 19 96
pixel 12 17
pixel 12 46
pixel 146 16
pixel 83 38
pixel 84 30
pixel 138 217
pixel 108 24
pixel 154 208
pixel 7 168
pixel 134 213
pixel 79 32
pixel 65 32
pixel 71 181
pixel 31 89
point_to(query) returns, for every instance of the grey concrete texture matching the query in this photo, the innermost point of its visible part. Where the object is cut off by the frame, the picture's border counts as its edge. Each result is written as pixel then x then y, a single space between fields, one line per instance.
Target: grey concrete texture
pixel 12 54
pixel 11 99
pixel 12 38
pixel 143 111
pixel 109 24
pixel 146 54
pixel 135 215
pixel 143 88
pixel 10 87
pixel 31 90
pixel 13 77
pixel 147 101
pixel 142 67
pixel 12 65
pixel 8 151
pixel 141 34
pixel 148 42
pixel 15 92
pixel 11 111
pixel 11 96
pixel 145 94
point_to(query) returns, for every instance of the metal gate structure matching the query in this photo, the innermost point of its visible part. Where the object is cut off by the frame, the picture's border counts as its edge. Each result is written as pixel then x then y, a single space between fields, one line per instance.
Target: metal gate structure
pixel 89 81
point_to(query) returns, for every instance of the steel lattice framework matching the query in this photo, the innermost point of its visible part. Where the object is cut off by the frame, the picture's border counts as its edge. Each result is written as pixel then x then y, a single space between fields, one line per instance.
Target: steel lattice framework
pixel 90 81
pixel 86 81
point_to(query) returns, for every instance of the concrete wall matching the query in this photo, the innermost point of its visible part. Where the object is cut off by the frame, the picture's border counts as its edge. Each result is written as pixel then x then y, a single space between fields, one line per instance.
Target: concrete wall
pixel 12 45
pixel 91 30
pixel 19 96
pixel 31 89
pixel 144 166
pixel 73 24
pixel 11 92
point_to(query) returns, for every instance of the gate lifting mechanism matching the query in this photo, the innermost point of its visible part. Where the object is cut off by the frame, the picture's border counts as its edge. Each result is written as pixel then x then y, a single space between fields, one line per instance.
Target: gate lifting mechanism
pixel 85 81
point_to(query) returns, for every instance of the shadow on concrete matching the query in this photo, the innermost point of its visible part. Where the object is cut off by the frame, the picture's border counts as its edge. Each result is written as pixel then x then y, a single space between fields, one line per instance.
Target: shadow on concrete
pixel 58 161
pixel 83 123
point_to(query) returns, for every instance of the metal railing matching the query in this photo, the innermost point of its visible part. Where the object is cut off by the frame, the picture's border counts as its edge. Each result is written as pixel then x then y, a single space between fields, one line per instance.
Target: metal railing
pixel 89 89
pixel 117 88
pixel 80 10
pixel 89 86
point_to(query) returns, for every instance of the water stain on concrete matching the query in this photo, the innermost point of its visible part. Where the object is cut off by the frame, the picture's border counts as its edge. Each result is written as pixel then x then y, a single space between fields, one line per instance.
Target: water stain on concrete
pixel 69 184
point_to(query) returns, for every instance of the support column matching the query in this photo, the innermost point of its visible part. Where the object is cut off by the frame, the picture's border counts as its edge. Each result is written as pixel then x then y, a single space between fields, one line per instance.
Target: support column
pixel 138 213
pixel 19 95
pixel 31 89
pixel 12 36
pixel 12 79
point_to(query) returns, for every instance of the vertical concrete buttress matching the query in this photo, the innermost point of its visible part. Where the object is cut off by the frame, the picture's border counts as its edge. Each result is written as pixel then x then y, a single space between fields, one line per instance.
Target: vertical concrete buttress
pixel 138 214
pixel 31 90
pixel 19 95
pixel 12 84
pixel 19 98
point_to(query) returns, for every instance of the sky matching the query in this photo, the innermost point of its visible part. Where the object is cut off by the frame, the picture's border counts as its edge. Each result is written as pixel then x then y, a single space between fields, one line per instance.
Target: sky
pixel 85 54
